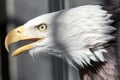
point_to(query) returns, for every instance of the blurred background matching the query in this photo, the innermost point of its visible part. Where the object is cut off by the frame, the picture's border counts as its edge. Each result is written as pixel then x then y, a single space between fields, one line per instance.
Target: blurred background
pixel 14 13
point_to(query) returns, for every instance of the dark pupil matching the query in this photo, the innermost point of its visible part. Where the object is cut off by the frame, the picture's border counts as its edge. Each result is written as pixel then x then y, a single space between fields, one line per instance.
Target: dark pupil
pixel 42 27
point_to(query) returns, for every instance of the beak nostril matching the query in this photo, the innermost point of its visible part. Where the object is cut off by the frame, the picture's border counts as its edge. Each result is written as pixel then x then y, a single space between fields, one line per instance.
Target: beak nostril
pixel 19 31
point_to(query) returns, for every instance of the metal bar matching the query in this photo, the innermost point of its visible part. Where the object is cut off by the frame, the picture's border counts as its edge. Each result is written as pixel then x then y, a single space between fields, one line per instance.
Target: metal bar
pixel 58 65
pixel 4 55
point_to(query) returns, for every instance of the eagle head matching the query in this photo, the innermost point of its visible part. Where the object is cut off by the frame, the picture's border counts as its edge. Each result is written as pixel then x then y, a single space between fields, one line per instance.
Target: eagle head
pixel 78 34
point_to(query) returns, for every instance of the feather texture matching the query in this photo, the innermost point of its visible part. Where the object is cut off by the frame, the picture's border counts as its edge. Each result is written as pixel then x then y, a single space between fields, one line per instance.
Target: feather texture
pixel 104 70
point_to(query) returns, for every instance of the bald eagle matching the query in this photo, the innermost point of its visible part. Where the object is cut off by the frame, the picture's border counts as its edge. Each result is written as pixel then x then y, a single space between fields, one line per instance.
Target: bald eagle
pixel 82 36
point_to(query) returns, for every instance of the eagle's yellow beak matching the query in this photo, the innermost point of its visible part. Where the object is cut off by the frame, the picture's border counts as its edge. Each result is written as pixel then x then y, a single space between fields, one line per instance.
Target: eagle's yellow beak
pixel 17 35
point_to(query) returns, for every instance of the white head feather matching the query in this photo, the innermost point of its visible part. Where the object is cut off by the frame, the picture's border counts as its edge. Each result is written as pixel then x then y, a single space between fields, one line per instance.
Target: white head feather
pixel 72 33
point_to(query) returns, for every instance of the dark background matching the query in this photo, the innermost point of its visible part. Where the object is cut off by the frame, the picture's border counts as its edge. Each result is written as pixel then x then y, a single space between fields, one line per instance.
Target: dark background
pixel 14 13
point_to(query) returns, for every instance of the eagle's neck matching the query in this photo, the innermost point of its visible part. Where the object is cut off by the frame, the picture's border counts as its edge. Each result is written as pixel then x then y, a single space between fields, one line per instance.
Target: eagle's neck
pixel 85 56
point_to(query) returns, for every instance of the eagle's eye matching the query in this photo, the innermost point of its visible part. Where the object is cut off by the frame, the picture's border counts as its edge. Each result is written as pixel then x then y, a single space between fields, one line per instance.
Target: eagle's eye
pixel 42 27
